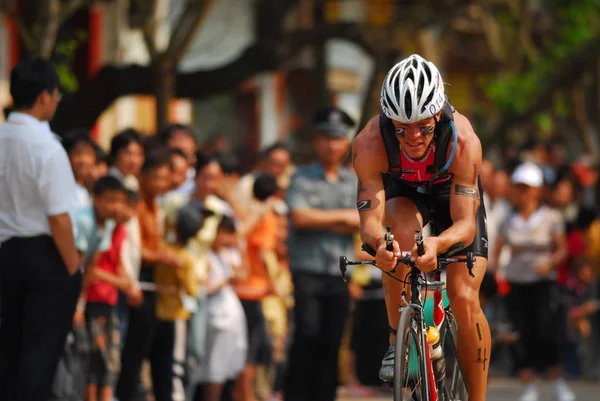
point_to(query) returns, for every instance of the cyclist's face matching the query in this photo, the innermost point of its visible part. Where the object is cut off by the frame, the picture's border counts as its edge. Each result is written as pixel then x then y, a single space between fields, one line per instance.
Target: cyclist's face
pixel 415 138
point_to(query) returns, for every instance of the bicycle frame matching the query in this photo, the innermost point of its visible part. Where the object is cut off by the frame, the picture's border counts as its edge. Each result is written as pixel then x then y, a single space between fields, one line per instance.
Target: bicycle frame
pixel 438 318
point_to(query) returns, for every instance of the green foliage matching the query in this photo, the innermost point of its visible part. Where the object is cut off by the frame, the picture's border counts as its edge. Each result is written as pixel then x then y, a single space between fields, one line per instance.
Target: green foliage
pixel 63 58
pixel 544 122
pixel 576 23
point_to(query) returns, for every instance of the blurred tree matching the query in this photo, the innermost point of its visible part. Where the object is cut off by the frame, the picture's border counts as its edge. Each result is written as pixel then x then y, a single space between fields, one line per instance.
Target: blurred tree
pixel 274 45
pixel 163 62
pixel 319 48
pixel 547 68
pixel 39 34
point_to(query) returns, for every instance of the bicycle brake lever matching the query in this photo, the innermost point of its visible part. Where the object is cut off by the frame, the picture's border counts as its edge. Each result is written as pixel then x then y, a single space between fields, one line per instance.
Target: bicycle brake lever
pixel 419 242
pixel 388 237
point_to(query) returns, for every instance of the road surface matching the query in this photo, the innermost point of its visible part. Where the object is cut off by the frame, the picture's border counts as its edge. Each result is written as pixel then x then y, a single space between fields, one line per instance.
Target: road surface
pixel 509 390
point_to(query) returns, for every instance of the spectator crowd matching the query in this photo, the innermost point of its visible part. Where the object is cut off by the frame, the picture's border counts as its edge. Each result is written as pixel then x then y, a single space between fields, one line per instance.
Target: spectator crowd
pixel 187 287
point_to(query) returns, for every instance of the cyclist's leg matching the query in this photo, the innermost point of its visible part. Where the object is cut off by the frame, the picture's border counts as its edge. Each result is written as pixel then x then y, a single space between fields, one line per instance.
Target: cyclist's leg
pixel 474 340
pixel 404 217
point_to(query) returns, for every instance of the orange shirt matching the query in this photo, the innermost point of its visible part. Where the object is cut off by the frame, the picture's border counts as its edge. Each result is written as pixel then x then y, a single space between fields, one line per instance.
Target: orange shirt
pixel 150 232
pixel 262 237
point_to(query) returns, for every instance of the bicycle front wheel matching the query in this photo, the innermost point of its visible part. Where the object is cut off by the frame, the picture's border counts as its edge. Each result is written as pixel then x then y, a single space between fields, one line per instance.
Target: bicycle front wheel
pixel 410 372
pixel 455 380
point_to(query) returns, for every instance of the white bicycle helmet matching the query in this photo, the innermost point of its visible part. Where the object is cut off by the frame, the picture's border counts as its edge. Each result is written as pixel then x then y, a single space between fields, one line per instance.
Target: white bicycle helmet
pixel 412 91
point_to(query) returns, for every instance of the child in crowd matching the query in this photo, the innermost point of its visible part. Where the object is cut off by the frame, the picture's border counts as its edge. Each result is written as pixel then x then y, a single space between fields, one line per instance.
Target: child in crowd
pixel 99 240
pixel 277 306
pixel 82 155
pixel 583 301
pixel 99 170
pixel 226 342
pixel 173 285
pixel 261 228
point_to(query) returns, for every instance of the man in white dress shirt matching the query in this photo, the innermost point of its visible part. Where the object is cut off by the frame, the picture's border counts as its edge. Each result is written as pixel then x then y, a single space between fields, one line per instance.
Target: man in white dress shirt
pixel 40 277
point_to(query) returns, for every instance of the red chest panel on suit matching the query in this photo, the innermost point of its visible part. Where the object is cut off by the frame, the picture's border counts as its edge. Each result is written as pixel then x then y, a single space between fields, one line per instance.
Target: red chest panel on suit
pixel 419 171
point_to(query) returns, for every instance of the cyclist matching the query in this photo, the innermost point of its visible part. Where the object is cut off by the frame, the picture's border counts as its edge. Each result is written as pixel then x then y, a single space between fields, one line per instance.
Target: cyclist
pixel 419 162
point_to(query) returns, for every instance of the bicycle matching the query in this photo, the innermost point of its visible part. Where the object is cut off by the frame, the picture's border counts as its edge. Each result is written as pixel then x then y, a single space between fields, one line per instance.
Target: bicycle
pixel 441 378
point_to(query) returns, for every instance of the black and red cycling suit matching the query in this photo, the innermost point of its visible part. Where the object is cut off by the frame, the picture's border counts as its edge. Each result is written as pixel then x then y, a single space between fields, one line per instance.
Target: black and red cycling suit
pixel 426 182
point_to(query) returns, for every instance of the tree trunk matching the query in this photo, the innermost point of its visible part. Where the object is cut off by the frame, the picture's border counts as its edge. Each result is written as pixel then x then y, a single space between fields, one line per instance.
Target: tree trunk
pixel 321 70
pixel 370 94
pixel 324 96
pixel 370 104
pixel 164 77
pixel 49 31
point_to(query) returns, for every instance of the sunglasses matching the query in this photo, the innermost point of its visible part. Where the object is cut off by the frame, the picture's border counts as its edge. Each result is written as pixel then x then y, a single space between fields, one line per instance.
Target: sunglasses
pixel 426 130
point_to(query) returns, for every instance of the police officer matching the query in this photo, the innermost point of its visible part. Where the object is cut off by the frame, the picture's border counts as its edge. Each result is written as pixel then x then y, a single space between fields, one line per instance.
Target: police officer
pixel 323 219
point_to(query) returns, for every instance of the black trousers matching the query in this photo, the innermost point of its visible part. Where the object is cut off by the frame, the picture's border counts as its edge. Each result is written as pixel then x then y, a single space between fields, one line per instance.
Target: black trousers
pixel 259 342
pixel 533 311
pixel 147 338
pixel 38 300
pixel 370 338
pixel 320 313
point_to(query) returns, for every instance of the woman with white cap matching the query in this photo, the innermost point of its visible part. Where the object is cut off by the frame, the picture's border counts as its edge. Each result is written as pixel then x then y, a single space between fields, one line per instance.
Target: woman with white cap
pixel 535 235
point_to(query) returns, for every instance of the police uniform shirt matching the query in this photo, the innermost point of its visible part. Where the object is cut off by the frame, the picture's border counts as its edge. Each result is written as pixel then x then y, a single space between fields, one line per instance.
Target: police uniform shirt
pixel 318 251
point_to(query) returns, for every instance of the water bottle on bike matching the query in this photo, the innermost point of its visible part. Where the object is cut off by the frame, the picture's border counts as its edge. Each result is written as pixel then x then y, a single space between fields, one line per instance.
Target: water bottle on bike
pixel 437 353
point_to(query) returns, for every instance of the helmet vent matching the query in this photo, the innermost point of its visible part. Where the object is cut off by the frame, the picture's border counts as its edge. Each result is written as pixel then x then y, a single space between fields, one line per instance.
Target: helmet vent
pixel 408 105
pixel 427 72
pixel 420 86
pixel 388 100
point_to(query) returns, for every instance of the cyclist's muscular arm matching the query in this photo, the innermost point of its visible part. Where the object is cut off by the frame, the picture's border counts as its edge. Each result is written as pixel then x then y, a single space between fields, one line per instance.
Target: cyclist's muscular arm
pixel 464 195
pixel 367 157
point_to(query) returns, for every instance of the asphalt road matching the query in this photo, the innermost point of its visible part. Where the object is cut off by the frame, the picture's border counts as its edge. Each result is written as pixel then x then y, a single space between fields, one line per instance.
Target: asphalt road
pixel 509 390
